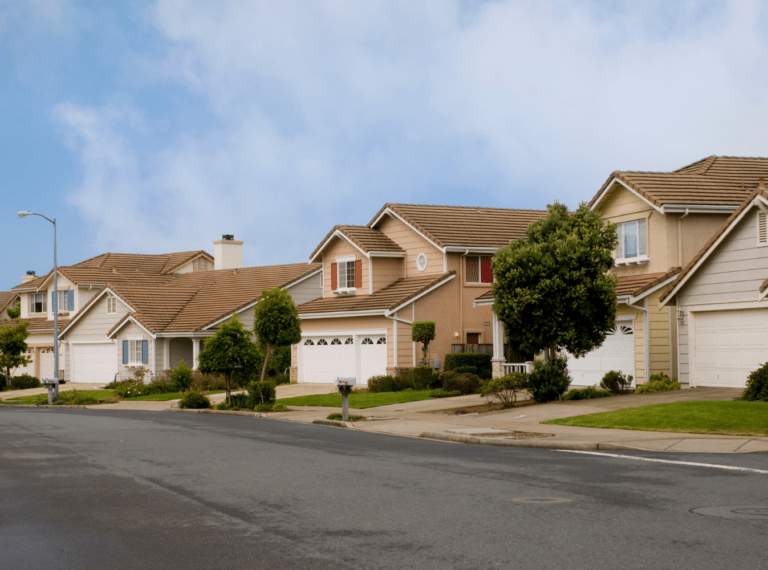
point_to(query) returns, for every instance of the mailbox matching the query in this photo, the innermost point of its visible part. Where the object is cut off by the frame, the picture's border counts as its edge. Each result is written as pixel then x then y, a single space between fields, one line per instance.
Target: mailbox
pixel 342 381
pixel 53 389
pixel 344 385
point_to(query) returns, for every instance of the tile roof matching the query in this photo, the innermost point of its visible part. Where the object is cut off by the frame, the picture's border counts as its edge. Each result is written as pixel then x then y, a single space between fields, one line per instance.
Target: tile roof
pixel 463 226
pixel 6 297
pixel 367 239
pixel 487 296
pixel 635 285
pixel 712 181
pixel 38 324
pixel 388 298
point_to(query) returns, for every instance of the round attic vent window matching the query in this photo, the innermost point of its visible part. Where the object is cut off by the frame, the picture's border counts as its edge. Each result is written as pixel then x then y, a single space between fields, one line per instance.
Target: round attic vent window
pixel 421 262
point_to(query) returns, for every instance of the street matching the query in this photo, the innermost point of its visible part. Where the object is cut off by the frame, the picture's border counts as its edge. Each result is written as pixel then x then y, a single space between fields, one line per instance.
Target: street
pixel 132 489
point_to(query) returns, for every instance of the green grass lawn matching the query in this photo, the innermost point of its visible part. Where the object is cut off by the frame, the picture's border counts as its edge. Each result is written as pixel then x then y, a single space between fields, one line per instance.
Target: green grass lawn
pixel 726 418
pixel 164 397
pixel 97 395
pixel 358 401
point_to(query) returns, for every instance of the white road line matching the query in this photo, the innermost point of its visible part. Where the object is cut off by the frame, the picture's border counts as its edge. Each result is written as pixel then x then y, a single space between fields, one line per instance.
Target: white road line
pixel 691 463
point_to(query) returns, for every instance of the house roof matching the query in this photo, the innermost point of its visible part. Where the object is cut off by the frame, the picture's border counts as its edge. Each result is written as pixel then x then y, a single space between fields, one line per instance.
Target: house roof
pixel 365 238
pixel 463 226
pixel 386 299
pixel 636 285
pixel 712 181
pixel 37 324
pixel 6 298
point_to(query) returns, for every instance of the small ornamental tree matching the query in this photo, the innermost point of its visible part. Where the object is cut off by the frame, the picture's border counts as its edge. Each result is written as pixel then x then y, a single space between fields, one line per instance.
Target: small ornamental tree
pixel 13 345
pixel 276 323
pixel 230 349
pixel 14 312
pixel 423 332
pixel 553 290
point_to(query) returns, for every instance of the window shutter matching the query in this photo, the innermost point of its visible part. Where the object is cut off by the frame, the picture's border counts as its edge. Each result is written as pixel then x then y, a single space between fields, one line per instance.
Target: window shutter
pixel 642 239
pixel 762 228
pixel 145 352
pixel 486 270
pixel 358 273
pixel 71 300
pixel 334 277
pixel 125 352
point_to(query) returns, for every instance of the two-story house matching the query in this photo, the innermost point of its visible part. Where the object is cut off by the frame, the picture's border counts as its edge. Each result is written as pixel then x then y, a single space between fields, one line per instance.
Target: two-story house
pixel 410 263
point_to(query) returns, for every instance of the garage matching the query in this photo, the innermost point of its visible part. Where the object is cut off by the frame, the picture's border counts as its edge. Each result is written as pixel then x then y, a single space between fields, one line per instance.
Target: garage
pixel 728 345
pixel 94 363
pixel 322 358
pixel 616 353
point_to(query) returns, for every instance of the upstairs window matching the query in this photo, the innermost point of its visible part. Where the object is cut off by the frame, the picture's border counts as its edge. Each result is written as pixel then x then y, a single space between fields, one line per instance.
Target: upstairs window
pixel 633 242
pixel 111 305
pixel 64 301
pixel 37 303
pixel 479 269
pixel 200 264
pixel 347 274
pixel 762 229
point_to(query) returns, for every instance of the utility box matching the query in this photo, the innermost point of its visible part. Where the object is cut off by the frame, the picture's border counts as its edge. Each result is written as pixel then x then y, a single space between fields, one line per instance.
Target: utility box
pixel 436 364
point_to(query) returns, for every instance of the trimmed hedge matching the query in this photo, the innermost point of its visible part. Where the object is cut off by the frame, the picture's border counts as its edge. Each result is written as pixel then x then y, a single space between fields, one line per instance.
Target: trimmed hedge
pixel 24 381
pixel 482 362
pixel 757 385
pixel 464 383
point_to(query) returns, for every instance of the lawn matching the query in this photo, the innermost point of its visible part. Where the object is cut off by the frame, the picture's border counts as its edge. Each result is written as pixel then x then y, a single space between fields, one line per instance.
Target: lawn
pixel 94 396
pixel 358 401
pixel 726 418
pixel 164 397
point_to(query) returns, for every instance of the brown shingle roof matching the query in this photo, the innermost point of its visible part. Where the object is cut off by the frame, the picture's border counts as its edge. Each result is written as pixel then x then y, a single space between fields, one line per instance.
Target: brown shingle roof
pixel 38 324
pixel 487 296
pixel 634 285
pixel 713 181
pixel 367 239
pixel 462 226
pixel 6 297
pixel 388 298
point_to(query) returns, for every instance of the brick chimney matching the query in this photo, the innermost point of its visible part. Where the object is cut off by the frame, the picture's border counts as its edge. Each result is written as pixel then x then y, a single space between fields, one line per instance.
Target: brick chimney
pixel 227 253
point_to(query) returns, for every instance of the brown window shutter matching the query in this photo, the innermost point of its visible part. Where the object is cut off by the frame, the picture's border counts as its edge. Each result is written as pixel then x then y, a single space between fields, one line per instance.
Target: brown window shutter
pixel 334 277
pixel 358 273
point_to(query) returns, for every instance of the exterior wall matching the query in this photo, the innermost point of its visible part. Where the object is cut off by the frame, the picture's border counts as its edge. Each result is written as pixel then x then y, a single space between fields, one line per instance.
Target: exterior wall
pixel 181 349
pixel 658 321
pixel 307 290
pixel 444 306
pixel 132 331
pixel 85 294
pixel 342 248
pixel 189 267
pixel 413 244
pixel 406 356
pixel 159 362
pixel 386 270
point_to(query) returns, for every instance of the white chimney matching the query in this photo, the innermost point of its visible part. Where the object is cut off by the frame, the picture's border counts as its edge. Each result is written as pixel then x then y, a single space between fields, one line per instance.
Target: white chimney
pixel 28 277
pixel 227 253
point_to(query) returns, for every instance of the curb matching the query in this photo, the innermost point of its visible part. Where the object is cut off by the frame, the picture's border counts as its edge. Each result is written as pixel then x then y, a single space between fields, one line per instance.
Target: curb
pixel 572 446
pixel 52 406
pixel 219 412
pixel 332 423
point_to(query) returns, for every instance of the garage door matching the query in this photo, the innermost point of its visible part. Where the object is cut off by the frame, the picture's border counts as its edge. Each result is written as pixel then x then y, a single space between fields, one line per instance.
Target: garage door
pixel 46 363
pixel 94 363
pixel 728 346
pixel 616 353
pixel 323 358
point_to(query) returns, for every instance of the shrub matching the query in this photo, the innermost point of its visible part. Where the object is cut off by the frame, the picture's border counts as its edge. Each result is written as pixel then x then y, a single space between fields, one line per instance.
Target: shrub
pixel 161 385
pixel 280 378
pixel 548 380
pixel 390 383
pixel 181 378
pixel 76 398
pixel 423 332
pixel 506 388
pixel 616 382
pixel 350 417
pixel 586 394
pixel 128 388
pixel 240 401
pixel 440 393
pixel 25 381
pixel 207 382
pixel 465 370
pixel 658 383
pixel 464 383
pixel 482 362
pixel 261 392
pixel 271 407
pixel 757 385
pixel 194 400
pixel 422 378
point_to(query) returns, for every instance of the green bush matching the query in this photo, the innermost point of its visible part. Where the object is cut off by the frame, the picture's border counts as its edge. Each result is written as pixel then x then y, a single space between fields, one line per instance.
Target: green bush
pixel 271 407
pixel 390 383
pixel 422 378
pixel 128 388
pixel 615 382
pixel 207 382
pixel 240 401
pixel 280 378
pixel 261 392
pixel 440 393
pixel 482 362
pixel 194 400
pixel 24 381
pixel 160 385
pixel 658 383
pixel 506 388
pixel 586 394
pixel 350 417
pixel 181 378
pixel 757 385
pixel 76 398
pixel 464 383
pixel 466 369
pixel 549 380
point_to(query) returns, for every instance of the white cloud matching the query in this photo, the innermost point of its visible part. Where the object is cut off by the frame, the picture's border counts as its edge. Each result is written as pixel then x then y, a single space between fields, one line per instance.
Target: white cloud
pixel 325 110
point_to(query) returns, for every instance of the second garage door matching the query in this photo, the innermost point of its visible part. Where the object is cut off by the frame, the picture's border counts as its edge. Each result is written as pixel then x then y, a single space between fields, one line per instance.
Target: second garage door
pixel 94 363
pixel 616 353
pixel 323 358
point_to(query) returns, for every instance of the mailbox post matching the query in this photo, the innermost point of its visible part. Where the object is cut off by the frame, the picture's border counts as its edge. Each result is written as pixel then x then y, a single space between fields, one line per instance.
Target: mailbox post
pixel 345 386
pixel 53 389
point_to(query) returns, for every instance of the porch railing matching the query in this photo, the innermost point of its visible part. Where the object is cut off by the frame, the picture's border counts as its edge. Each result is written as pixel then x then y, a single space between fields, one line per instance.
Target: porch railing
pixel 473 348
pixel 525 367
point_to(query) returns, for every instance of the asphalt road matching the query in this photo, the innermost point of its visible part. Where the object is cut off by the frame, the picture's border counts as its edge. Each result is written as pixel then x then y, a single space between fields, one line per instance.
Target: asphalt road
pixel 85 489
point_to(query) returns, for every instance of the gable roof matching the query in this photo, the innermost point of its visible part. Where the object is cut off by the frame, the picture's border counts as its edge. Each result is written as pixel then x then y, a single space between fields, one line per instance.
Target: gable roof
pixel 37 324
pixel 714 182
pixel 6 298
pixel 366 239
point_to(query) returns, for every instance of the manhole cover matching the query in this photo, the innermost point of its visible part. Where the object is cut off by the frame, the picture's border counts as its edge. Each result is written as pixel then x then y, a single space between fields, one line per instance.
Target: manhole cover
pixel 541 500
pixel 754 512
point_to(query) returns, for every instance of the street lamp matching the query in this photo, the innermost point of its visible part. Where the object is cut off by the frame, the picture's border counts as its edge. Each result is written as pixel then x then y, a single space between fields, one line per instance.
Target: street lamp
pixel 55 300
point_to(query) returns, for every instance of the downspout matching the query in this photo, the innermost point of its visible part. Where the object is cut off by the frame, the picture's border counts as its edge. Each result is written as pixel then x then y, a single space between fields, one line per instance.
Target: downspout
pixel 646 337
pixel 680 238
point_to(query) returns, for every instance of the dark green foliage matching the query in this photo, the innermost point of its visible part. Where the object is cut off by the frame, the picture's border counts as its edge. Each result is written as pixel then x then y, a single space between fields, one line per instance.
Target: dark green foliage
pixel 549 380
pixel 13 345
pixel 276 322
pixel 181 378
pixel 280 360
pixel 423 332
pixel 440 393
pixel 261 392
pixel 464 383
pixel 271 407
pixel 390 383
pixel 658 383
pixel 586 394
pixel 757 385
pixel 350 417
pixel 14 312
pixel 465 369
pixel 616 382
pixel 207 382
pixel 280 378
pixel 423 377
pixel 482 362
pixel 76 398
pixel 506 388
pixel 194 400
pixel 552 288
pixel 24 381
pixel 161 385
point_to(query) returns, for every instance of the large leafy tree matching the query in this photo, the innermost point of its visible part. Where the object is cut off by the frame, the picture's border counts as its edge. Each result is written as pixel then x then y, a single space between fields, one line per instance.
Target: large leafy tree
pixel 553 290
pixel 230 349
pixel 13 346
pixel 277 322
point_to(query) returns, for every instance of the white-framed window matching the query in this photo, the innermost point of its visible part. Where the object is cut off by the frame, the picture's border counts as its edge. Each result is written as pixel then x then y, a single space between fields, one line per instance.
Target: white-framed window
pixel 200 264
pixel 111 305
pixel 479 269
pixel 762 229
pixel 345 268
pixel 633 241
pixel 421 262
pixel 37 303
pixel 134 352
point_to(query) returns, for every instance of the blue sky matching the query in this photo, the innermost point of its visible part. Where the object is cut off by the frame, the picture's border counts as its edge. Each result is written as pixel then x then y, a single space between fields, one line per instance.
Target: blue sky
pixel 156 126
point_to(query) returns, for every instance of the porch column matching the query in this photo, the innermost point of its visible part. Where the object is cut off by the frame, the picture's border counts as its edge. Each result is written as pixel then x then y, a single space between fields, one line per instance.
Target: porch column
pixel 498 347
pixel 166 354
pixel 195 352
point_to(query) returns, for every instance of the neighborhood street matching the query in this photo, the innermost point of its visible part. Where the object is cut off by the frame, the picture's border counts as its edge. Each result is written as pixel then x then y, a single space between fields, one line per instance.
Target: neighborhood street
pixel 136 489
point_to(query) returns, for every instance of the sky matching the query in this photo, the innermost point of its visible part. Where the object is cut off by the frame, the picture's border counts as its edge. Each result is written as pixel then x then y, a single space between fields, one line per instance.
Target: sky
pixel 158 126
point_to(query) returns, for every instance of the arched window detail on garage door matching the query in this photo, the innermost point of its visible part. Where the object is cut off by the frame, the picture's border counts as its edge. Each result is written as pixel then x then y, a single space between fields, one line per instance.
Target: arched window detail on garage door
pixel 335 341
pixel 349 341
pixel 367 341
pixel 322 342
pixel 382 340
pixel 308 342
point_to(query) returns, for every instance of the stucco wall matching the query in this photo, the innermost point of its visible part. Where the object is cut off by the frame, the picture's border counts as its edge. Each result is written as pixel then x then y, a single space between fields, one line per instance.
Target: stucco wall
pixel 338 247
pixel 386 270
pixel 413 244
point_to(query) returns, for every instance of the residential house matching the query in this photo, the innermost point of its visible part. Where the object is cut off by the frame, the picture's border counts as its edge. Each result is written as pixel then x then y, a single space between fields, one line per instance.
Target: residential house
pixel 410 263
pixel 8 299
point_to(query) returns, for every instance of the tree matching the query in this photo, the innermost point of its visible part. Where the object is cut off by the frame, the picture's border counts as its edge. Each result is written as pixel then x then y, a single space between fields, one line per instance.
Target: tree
pixel 13 345
pixel 277 322
pixel 423 332
pixel 552 288
pixel 14 312
pixel 230 349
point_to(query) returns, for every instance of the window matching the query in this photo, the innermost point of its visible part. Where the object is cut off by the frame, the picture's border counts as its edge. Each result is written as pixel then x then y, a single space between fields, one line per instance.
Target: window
pixel 349 341
pixel 632 240
pixel 37 303
pixel 200 264
pixel 473 338
pixel 421 262
pixel 111 304
pixel 367 341
pixel 135 352
pixel 308 342
pixel 382 340
pixel 762 229
pixel 479 269
pixel 335 341
pixel 321 342
pixel 346 271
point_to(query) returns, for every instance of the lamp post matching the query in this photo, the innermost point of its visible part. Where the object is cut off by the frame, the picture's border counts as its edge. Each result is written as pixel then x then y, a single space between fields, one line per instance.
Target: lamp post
pixel 55 305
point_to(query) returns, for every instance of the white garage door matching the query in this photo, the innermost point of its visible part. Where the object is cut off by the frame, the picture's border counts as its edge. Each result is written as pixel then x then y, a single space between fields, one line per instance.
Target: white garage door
pixel 323 358
pixel 616 353
pixel 94 363
pixel 46 363
pixel 728 346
